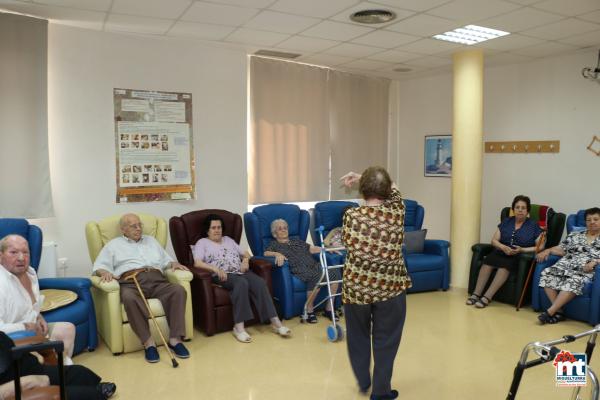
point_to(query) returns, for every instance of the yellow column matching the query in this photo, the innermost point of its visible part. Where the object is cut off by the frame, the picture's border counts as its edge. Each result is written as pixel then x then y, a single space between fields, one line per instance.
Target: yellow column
pixel 467 150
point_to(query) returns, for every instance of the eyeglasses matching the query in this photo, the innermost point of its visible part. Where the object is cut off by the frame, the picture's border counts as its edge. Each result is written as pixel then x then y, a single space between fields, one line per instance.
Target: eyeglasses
pixel 136 226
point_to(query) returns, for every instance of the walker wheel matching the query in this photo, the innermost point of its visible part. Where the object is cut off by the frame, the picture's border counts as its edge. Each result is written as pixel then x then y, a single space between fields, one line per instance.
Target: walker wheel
pixel 332 333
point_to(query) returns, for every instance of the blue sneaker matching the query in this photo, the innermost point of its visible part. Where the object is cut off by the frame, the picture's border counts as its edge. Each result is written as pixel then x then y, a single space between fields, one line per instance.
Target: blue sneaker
pixel 151 354
pixel 180 350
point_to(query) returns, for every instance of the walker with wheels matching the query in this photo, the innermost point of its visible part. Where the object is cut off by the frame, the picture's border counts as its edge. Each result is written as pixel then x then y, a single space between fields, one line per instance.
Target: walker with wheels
pixel 335 332
pixel 547 352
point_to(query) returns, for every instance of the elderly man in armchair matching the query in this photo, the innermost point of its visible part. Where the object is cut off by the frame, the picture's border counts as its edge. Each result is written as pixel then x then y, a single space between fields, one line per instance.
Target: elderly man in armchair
pixel 135 253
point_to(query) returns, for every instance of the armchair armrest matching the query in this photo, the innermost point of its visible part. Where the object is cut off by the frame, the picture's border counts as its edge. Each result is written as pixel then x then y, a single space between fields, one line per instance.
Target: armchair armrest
pixel 197 273
pixel 437 247
pixel 282 285
pixel 106 287
pixel 81 286
pixel 178 276
pixel 262 268
pixel 49 354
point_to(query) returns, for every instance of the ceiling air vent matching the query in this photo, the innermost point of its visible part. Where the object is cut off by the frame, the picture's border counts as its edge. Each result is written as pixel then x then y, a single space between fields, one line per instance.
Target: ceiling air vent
pixel 373 16
pixel 277 54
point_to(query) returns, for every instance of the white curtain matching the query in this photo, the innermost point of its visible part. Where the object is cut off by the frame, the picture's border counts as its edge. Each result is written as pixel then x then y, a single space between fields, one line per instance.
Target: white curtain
pixel 289 140
pixel 359 126
pixel 24 174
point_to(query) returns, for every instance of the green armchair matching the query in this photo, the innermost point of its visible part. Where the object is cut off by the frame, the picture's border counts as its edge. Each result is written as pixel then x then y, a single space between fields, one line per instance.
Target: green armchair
pixel 510 292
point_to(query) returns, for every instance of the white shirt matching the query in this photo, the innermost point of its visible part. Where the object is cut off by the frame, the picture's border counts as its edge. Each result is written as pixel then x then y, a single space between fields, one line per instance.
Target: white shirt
pixel 15 303
pixel 123 254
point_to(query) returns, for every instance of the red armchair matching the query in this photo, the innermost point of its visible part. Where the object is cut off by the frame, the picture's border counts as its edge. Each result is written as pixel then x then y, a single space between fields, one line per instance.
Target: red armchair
pixel 210 302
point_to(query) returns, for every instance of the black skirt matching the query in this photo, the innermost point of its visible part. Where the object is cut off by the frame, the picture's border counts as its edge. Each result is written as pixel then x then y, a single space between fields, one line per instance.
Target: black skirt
pixel 497 259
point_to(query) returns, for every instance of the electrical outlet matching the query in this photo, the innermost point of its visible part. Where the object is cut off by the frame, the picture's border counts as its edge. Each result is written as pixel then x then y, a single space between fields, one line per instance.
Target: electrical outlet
pixel 62 262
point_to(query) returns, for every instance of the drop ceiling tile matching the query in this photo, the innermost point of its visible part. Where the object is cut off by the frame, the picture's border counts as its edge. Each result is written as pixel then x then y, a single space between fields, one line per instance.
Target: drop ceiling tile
pixel 366 64
pixel 562 29
pixel 591 16
pixel 472 10
pixel 151 8
pixel 218 14
pixel 510 42
pixel 386 39
pixel 569 7
pixel 519 20
pixel 423 25
pixel 415 5
pixel 429 61
pixel 325 59
pixel 93 5
pixel 429 46
pixel 244 3
pixel 365 5
pixel 60 15
pixel 198 30
pixel 307 44
pixel 393 56
pixel 544 49
pixel 312 8
pixel 134 24
pixel 336 31
pixel 278 22
pixel 256 37
pixel 352 50
pixel 585 40
pixel 504 59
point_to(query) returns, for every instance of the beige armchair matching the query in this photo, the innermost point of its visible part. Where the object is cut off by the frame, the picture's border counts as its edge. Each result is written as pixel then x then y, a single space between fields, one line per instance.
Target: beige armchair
pixel 113 324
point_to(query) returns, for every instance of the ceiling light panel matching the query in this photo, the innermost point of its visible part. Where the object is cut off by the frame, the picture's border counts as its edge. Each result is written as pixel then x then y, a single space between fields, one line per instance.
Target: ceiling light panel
pixel 471 34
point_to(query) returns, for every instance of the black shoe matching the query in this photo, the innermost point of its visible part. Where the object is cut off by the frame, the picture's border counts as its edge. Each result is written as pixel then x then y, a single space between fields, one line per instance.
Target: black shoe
pixel 364 389
pixel 312 318
pixel 327 314
pixel 106 389
pixel 390 396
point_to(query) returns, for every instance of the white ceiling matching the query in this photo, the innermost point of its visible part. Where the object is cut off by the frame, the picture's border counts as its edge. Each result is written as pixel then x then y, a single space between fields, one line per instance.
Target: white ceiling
pixel 321 31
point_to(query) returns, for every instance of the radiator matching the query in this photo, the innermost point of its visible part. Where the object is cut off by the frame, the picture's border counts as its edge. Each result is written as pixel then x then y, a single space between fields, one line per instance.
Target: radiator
pixel 49 262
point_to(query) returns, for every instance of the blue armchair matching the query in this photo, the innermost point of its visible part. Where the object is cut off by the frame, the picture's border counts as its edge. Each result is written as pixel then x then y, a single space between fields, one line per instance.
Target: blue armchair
pixel 429 270
pixel 576 222
pixel 329 215
pixel 80 312
pixel 583 308
pixel 289 292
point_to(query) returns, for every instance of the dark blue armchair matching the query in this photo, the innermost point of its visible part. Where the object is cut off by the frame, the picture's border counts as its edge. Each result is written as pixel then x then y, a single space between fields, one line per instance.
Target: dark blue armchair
pixel 289 292
pixel 80 312
pixel 576 222
pixel 585 307
pixel 429 270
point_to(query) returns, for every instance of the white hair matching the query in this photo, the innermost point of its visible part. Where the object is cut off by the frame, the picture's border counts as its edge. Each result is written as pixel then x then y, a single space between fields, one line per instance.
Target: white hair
pixel 275 223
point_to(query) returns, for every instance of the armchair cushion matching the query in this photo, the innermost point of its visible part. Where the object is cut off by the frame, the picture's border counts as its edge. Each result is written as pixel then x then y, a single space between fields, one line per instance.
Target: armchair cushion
pixel 414 241
pixel 576 222
pixel 55 298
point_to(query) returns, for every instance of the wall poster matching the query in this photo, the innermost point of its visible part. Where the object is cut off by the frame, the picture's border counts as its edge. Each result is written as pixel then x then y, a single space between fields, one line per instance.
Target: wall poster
pixel 154 148
pixel 438 155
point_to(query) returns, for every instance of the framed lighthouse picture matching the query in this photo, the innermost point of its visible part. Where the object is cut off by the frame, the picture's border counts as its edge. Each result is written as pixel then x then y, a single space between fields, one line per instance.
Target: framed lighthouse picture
pixel 438 155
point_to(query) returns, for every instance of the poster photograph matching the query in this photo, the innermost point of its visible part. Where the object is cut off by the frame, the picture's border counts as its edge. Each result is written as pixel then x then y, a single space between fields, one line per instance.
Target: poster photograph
pixel 438 155
pixel 153 133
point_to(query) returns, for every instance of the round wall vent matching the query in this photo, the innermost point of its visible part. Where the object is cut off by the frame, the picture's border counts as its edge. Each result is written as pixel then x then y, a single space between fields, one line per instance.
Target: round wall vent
pixel 373 16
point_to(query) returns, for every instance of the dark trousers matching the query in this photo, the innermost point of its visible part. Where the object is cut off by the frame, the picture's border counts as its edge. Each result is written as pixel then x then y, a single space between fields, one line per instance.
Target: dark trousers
pixel 382 324
pixel 154 285
pixel 246 287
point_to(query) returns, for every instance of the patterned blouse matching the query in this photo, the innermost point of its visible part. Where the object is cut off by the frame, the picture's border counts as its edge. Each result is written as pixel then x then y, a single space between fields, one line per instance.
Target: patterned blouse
pixel 525 236
pixel 373 236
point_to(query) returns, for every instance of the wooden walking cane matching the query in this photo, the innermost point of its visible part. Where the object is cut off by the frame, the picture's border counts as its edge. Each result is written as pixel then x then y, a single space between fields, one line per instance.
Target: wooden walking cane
pixel 139 288
pixel 538 246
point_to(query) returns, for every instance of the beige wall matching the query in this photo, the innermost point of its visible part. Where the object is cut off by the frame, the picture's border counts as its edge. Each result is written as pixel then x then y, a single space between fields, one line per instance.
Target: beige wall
pixel 83 68
pixel 542 100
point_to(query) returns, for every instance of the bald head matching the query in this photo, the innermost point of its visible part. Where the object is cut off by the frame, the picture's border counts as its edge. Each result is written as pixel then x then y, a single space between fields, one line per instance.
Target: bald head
pixel 14 254
pixel 131 226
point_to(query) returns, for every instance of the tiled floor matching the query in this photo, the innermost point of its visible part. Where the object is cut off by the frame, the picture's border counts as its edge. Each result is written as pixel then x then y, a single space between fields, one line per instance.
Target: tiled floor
pixel 448 351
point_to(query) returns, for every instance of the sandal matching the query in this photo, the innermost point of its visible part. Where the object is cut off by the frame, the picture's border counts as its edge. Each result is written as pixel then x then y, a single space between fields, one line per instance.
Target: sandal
pixel 483 302
pixel 327 314
pixel 282 331
pixel 559 316
pixel 474 298
pixel 311 318
pixel 242 336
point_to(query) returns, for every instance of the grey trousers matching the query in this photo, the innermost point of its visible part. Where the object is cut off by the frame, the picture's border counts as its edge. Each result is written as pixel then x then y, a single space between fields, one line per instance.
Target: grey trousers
pixel 246 287
pixel 154 285
pixel 381 323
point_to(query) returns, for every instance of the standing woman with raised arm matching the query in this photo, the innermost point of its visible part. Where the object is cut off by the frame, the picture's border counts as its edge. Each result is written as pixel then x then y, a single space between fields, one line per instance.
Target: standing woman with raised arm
pixel 375 280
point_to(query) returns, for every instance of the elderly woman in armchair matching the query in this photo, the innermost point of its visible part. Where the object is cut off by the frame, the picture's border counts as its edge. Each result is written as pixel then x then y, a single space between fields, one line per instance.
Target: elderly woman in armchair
pixel 229 264
pixel 303 265
pixel 515 235
pixel 580 252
